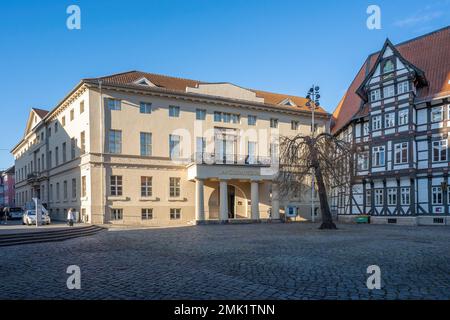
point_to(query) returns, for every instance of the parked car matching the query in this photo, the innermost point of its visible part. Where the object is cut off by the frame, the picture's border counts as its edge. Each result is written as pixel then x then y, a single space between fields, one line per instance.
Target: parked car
pixel 15 213
pixel 29 218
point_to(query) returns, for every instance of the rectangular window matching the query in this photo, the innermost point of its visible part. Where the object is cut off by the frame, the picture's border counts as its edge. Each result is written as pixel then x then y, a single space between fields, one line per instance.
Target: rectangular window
pixel 147 214
pixel 440 150
pixel 251 120
pixel 392 196
pixel 378 156
pixel 274 151
pixel 116 214
pixel 294 125
pixel 388 91
pixel 437 114
pixel 73 146
pixel 405 196
pixel 146 144
pixel 368 198
pixel 375 95
pixel 83 142
pixel 389 120
pixel 403 87
pixel 217 116
pixel 363 161
pixel 252 152
pixel 175 146
pixel 401 152
pixel 83 186
pixel 436 195
pixel 116 186
pixel 403 117
pixel 235 118
pixel 65 191
pixel 50 195
pixel 274 123
pixel 58 196
pixel 146 186
pixel 81 107
pixel 74 188
pixel 174 188
pixel 72 115
pixel 175 214
pixel 376 123
pixel 49 159
pixel 115 141
pixel 145 107
pixel 174 111
pixel 200 148
pixel 379 195
pixel 64 152
pixel 113 104
pixel 57 156
pixel 366 129
pixel 200 114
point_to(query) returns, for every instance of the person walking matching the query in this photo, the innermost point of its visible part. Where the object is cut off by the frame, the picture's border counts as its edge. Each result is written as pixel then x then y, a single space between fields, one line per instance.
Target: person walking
pixel 6 214
pixel 70 217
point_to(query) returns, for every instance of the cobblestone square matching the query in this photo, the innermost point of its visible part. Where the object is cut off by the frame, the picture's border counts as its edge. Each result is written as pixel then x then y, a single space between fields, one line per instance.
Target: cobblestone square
pixel 257 261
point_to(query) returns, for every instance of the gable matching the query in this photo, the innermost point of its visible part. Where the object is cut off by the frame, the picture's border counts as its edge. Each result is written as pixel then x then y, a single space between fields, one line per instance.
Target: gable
pixel 34 118
pixel 144 82
pixel 226 90
pixel 388 64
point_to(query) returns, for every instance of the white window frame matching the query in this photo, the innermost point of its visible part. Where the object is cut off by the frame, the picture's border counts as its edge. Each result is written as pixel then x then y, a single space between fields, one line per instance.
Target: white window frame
pixel 440 146
pixel 381 150
pixel 403 117
pixel 436 196
pixel 405 196
pixel 403 87
pixel 174 187
pixel 251 120
pixel 174 111
pixel 389 120
pixel 116 214
pixel 375 95
pixel 145 107
pixel 388 91
pixel 147 214
pixel 379 197
pixel 146 186
pixel 398 149
pixel 376 122
pixel 363 161
pixel 175 214
pixel 391 196
pixel 366 128
pixel 437 114
pixel 116 186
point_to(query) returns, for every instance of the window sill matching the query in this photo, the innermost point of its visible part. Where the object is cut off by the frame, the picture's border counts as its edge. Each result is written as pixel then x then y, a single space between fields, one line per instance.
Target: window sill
pixel 149 199
pixel 117 198
pixel 177 199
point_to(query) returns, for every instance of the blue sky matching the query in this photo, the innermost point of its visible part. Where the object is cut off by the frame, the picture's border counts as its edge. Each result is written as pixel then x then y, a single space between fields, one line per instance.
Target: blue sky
pixel 280 46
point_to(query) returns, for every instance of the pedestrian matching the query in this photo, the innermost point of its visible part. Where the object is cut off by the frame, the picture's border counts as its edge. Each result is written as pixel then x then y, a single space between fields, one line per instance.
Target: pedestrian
pixel 70 217
pixel 6 214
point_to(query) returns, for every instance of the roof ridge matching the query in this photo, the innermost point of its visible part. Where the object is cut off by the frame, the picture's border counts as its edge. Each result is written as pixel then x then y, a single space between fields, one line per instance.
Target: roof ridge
pixel 413 39
pixel 166 76
pixel 111 75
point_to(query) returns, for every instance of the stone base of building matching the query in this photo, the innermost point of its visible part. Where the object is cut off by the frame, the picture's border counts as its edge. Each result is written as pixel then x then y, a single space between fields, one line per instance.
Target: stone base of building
pixel 405 221
pixel 236 221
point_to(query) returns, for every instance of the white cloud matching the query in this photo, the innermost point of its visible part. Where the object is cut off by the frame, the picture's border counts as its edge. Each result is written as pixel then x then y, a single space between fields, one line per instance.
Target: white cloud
pixel 418 18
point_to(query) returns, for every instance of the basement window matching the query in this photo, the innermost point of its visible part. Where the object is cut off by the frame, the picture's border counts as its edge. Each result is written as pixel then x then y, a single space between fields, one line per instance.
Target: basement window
pixel 438 220
pixel 392 221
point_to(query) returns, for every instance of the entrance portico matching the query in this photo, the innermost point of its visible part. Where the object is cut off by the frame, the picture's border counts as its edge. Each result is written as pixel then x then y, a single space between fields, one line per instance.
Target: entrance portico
pixel 233 193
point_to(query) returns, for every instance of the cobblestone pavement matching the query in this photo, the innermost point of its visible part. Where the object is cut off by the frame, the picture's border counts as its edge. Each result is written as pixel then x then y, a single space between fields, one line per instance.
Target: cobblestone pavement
pixel 259 261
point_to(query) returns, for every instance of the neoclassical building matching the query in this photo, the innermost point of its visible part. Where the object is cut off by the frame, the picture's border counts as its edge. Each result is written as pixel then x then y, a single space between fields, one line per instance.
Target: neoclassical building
pixel 141 148
pixel 397 114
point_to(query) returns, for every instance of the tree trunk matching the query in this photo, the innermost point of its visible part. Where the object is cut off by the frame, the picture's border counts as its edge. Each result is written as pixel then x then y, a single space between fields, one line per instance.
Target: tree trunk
pixel 327 219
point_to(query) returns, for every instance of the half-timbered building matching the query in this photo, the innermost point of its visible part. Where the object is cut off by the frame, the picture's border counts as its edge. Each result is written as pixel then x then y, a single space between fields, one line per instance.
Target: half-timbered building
pixel 397 114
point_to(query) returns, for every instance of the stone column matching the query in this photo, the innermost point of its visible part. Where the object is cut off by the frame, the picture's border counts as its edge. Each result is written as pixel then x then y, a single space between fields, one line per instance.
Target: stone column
pixel 275 201
pixel 199 200
pixel 223 213
pixel 255 200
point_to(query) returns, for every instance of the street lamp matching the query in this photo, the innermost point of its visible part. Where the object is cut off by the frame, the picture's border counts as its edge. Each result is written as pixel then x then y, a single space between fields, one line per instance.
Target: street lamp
pixel 313 97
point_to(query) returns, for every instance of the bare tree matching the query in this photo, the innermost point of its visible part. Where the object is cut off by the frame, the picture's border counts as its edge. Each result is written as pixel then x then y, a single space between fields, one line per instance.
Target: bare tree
pixel 329 159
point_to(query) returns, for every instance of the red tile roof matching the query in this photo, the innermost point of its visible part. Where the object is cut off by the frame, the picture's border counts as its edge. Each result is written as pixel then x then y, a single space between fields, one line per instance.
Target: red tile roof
pixel 430 53
pixel 180 85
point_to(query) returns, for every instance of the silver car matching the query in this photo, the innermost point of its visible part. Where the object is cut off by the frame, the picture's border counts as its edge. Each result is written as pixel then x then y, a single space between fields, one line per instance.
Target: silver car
pixel 29 218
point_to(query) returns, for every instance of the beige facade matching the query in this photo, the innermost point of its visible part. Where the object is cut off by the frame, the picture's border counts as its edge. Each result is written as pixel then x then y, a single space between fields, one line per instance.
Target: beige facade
pixel 142 153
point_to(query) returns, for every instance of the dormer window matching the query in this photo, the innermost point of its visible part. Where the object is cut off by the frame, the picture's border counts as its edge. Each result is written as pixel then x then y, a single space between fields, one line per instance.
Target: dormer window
pixel 288 102
pixel 144 82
